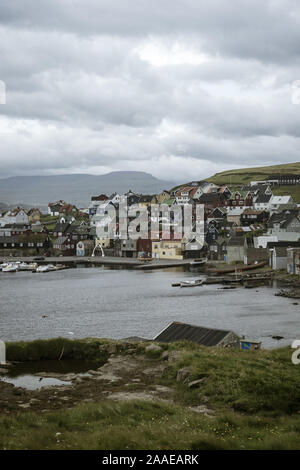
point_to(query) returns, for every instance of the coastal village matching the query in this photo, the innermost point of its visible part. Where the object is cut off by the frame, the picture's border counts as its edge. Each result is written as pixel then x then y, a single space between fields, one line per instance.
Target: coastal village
pixel 242 225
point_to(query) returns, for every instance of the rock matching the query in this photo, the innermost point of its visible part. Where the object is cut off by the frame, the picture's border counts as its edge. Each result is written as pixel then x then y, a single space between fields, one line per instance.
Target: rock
pixel 94 372
pixel 165 356
pixel 109 348
pixel 113 348
pixel 163 389
pixel 62 388
pixel 25 405
pixel 34 400
pixel 153 348
pixel 109 377
pixel 204 410
pixel 197 383
pixel 3 371
pixel 128 396
pixel 156 371
pixel 183 374
pixel 173 356
pixel 130 351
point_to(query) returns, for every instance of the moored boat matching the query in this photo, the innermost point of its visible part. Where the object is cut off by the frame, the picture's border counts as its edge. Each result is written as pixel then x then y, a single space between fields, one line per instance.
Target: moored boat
pixel 10 268
pixel 198 261
pixel 196 282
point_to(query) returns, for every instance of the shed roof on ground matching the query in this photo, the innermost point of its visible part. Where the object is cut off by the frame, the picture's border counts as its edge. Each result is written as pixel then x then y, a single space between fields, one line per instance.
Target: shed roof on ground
pixel 178 331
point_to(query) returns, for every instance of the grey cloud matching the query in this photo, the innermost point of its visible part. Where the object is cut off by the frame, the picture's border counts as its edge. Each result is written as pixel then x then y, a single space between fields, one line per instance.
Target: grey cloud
pixel 80 96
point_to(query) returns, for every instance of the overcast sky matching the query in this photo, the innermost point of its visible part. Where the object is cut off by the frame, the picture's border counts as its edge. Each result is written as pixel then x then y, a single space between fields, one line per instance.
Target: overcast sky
pixel 178 88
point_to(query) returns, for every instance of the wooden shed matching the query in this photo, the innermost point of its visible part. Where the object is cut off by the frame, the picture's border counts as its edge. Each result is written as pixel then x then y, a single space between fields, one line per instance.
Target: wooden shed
pixel 177 331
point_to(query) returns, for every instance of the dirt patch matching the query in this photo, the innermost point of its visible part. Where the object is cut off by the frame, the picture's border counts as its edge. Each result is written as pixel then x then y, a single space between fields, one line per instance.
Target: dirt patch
pixel 122 378
pixel 127 396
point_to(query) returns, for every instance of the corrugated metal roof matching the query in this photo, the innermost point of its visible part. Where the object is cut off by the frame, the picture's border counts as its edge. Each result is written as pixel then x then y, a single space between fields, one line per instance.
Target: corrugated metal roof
pixel 178 331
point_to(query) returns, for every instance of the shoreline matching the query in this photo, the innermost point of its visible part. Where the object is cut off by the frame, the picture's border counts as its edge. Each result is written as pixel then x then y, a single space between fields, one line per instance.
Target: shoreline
pixel 72 261
pixel 179 392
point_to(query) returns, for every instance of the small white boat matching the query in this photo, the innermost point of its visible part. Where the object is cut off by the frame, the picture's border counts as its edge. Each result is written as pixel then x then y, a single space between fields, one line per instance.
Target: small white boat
pixel 46 268
pixel 51 267
pixel 197 282
pixel 198 262
pixel 10 268
pixel 42 269
pixel 23 267
pixel 32 266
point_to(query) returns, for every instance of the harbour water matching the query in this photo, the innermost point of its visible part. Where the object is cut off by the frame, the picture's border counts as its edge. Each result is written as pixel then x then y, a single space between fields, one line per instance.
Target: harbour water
pixel 119 303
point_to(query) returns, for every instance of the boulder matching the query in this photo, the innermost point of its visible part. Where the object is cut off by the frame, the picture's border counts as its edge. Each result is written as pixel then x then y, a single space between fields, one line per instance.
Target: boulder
pixel 197 383
pixel 153 348
pixel 183 374
pixel 165 356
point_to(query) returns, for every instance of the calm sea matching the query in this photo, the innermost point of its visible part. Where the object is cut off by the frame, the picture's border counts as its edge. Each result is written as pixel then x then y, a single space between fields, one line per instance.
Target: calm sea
pixel 113 303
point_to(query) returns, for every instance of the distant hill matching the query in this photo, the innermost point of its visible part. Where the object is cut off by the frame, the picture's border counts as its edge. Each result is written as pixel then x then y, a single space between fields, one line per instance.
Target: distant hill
pixel 77 189
pixel 245 175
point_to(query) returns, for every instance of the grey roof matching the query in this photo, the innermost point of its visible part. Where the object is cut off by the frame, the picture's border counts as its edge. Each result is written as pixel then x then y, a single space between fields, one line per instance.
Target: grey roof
pixel 281 251
pixel 13 239
pixel 178 331
pixel 236 241
pixel 286 244
pixel 263 198
pixel 60 240
pixel 283 218
pixel 146 198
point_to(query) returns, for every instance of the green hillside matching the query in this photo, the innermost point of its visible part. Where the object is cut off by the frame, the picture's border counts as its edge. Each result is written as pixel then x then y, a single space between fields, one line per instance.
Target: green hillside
pixel 245 175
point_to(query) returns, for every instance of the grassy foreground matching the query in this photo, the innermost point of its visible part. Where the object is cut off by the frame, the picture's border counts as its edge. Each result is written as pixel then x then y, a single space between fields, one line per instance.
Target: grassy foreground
pixel 254 396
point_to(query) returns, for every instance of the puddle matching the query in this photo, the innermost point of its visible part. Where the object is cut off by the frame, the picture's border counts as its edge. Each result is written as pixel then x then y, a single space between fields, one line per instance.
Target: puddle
pixel 26 375
pixel 31 382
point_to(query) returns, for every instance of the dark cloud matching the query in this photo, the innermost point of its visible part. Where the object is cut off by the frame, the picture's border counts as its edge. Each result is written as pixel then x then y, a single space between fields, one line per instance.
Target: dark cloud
pixel 178 88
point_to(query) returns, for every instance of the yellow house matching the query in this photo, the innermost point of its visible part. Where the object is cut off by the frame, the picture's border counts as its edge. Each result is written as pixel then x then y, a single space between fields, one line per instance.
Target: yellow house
pixel 34 215
pixel 147 201
pixel 162 196
pixel 167 249
pixel 104 242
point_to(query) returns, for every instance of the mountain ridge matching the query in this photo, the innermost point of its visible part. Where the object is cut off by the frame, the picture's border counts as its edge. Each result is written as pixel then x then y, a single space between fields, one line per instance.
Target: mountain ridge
pixel 76 188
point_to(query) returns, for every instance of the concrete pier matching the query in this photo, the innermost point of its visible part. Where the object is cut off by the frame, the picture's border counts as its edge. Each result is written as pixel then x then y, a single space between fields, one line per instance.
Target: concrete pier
pixel 73 261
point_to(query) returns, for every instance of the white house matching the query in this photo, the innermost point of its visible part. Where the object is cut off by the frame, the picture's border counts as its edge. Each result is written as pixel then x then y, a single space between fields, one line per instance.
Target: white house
pixel 184 195
pixel 278 257
pixel 16 216
pixel 280 203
